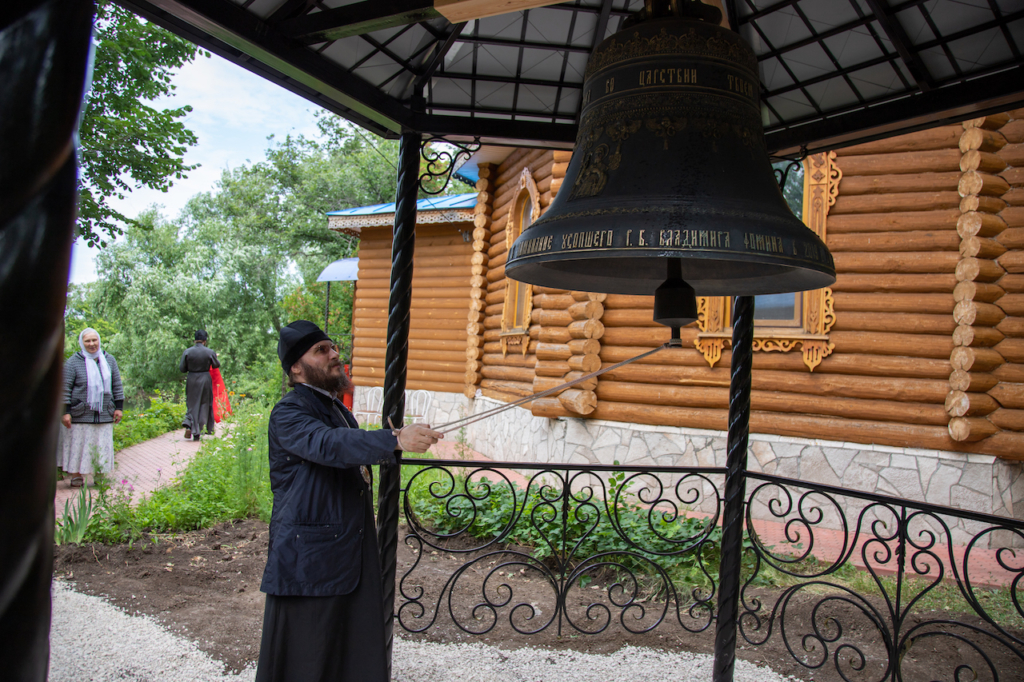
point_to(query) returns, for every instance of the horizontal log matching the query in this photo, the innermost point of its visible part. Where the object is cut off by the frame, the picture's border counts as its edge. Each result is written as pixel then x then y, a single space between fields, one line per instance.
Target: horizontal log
pixel 984 204
pixel 1012 350
pixel 971 429
pixel 586 310
pixel 971 382
pixel 438 386
pixel 586 329
pixel 1014 130
pixel 977 291
pixel 588 296
pixel 419 273
pixel 945 240
pixel 553 351
pixel 883 203
pixel 629 318
pixel 910 221
pixel 437 257
pixel 541 384
pixel 896 283
pixel 419 299
pixel 1010 371
pixel 990 122
pixel 1012 304
pixel 986 162
pixel 412 374
pixel 1012 154
pixel 942 137
pixel 456 366
pixel 551 368
pixel 625 302
pixel 452 282
pixel 978 270
pixel 379 342
pixel 578 401
pixel 584 363
pixel 1012 284
pixel 509 172
pixel 910 323
pixel 585 346
pixel 973 182
pixel 961 404
pixel 875 343
pixel 508 390
pixel 416 322
pixel 427 332
pixel 699 397
pixel 494 347
pixel 852 185
pixel 976 359
pixel 474 352
pixel 978 313
pixel 977 337
pixel 451 353
pixel 1012 262
pixel 896 262
pixel 1011 420
pixel 978 224
pixel 1014 177
pixel 905 162
pixel 554 335
pixel 512 359
pixel 552 301
pixel 550 408
pixel 522 374
pixel 980 247
pixel 981 140
pixel 1008 395
pixel 646 337
pixel 1012 238
pixel 896 303
pixel 1012 326
pixel 418 312
pixel 551 318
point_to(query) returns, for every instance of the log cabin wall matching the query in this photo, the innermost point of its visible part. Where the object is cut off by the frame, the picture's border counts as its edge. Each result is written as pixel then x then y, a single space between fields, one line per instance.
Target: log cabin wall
pixel 440 295
pixel 907 372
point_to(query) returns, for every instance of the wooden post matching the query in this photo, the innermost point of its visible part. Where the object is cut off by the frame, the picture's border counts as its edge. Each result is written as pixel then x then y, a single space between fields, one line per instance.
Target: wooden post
pixel 396 365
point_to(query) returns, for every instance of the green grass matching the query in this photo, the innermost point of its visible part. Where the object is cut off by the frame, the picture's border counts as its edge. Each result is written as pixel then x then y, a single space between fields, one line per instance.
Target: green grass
pixel 138 426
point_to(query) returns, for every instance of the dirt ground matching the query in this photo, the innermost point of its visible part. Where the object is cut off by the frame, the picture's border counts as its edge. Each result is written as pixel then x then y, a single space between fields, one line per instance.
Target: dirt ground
pixel 205 586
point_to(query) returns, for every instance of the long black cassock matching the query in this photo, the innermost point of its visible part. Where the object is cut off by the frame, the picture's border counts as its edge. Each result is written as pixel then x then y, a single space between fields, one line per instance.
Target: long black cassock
pixel 197 361
pixel 324 618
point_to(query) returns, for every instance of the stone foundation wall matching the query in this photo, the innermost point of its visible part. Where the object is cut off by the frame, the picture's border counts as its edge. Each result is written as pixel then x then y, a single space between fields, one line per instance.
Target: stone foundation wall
pixel 979 483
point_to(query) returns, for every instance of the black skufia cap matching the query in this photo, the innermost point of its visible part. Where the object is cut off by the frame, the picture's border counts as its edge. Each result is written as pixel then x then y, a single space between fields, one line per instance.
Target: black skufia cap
pixel 295 339
pixel 201 335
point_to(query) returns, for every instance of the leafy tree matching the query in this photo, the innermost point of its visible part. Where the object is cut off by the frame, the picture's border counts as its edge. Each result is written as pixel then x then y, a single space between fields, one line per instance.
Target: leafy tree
pixel 125 143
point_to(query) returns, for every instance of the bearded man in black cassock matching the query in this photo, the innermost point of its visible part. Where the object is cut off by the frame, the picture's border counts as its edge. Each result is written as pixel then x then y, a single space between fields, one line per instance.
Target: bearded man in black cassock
pixel 324 615
pixel 197 361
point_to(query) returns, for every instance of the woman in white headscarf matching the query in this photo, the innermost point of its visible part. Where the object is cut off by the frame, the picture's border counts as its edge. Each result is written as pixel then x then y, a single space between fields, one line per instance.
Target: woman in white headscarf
pixel 93 400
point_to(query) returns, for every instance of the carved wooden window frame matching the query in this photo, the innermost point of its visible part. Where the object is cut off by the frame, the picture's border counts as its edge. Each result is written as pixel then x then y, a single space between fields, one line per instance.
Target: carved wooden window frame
pixel 513 335
pixel 821 187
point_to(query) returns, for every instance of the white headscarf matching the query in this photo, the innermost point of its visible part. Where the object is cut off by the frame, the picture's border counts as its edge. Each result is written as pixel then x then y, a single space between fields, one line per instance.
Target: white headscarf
pixel 97 374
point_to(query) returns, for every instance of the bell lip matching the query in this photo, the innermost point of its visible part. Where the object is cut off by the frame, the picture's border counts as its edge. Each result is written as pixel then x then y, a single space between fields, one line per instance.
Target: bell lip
pixel 793 277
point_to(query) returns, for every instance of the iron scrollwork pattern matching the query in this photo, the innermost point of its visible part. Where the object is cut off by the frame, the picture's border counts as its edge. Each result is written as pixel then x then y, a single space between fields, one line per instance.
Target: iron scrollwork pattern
pixel 440 160
pixel 902 557
pixel 637 519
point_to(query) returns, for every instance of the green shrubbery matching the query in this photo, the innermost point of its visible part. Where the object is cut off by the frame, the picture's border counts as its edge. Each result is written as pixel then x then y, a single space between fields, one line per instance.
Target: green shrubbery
pixel 137 426
pixel 227 479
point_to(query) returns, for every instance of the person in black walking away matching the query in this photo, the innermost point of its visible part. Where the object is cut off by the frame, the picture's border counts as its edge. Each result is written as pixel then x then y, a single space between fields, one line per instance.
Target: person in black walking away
pixel 324 615
pixel 197 361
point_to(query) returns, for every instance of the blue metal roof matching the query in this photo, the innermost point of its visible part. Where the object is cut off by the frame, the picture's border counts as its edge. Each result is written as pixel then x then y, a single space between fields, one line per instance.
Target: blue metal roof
pixel 430 204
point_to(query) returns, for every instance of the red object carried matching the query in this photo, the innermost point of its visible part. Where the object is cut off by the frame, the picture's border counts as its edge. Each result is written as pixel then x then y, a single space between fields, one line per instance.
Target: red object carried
pixel 346 398
pixel 221 404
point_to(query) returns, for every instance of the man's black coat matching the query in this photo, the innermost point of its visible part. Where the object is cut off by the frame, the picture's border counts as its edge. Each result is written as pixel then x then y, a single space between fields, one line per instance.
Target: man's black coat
pixel 320 497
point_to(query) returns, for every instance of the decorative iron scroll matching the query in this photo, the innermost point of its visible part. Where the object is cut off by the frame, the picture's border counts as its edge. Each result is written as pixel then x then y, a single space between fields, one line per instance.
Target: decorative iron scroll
pixel 636 516
pixel 442 159
pixel 821 187
pixel 844 580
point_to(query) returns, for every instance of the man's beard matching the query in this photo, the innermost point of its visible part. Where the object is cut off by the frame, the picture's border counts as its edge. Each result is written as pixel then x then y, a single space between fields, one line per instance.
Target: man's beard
pixel 324 379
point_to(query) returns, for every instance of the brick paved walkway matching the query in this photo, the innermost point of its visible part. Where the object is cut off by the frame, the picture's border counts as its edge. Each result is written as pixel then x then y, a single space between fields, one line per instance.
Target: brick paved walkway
pixel 145 466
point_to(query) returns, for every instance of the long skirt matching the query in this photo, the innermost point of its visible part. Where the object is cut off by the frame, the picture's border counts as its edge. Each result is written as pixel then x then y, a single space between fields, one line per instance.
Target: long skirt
pixel 199 402
pixel 328 639
pixel 85 444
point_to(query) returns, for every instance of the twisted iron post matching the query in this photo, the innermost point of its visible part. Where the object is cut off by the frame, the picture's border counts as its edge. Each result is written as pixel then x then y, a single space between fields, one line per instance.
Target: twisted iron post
pixel 396 363
pixel 726 630
pixel 44 47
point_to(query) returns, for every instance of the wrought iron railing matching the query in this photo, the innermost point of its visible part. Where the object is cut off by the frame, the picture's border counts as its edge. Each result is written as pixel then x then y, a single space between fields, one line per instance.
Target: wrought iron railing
pixel 845 580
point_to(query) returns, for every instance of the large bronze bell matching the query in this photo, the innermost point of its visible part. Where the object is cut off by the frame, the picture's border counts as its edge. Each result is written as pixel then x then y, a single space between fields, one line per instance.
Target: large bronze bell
pixel 670 176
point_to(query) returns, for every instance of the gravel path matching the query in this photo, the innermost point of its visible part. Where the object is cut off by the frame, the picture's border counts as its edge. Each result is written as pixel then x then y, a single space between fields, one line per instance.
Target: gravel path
pixel 92 640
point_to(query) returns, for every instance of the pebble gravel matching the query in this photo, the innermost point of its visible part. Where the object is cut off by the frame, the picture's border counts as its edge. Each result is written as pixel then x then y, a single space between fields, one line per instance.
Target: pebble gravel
pixel 91 640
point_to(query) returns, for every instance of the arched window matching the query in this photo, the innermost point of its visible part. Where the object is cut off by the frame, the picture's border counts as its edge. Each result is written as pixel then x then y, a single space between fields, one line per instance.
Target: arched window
pixel 515 318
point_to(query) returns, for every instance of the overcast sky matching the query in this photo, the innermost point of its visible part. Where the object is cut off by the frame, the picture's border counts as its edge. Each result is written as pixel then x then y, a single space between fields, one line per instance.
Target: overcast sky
pixel 233 112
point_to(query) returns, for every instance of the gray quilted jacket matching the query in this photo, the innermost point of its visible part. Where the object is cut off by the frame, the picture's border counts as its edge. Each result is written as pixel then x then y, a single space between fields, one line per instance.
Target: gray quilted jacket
pixel 76 391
